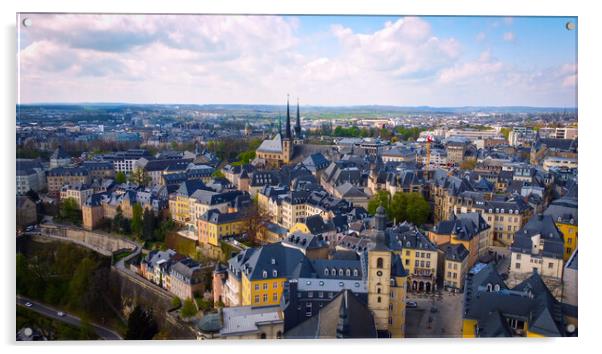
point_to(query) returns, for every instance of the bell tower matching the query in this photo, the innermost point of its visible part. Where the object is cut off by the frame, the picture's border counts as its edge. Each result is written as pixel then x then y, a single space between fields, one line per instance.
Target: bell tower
pixel 287 142
pixel 379 274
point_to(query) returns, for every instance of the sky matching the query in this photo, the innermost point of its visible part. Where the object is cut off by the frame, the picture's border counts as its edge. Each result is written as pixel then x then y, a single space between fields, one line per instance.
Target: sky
pixel 322 60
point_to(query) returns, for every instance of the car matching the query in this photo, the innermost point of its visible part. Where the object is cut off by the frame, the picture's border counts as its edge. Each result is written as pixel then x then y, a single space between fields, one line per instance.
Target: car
pixel 60 314
pixel 411 304
pixel 28 304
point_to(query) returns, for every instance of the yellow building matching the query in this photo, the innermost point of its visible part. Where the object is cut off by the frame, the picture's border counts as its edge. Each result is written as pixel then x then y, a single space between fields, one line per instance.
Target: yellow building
pixel 256 276
pixel 213 225
pixel 462 229
pixel 419 256
pixel 564 211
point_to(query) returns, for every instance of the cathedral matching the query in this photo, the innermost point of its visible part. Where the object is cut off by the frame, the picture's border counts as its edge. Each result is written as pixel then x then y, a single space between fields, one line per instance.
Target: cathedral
pixel 278 151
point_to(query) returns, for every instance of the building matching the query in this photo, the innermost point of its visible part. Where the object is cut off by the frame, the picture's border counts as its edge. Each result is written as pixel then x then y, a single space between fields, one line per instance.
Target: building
pixel 469 229
pixel 243 322
pixel 538 247
pixel 418 254
pixel 26 211
pixel 492 309
pixel 187 279
pixel 279 150
pixel 60 176
pixel 455 266
pixel 345 316
pixel 456 151
pixel 59 158
pixel 78 192
pixel 30 176
pixel 214 225
pixel 565 214
pixel 99 169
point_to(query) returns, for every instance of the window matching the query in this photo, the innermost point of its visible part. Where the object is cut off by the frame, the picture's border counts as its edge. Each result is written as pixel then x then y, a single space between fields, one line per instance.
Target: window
pixel 428 264
pixel 256 286
pixel 407 262
pixel 550 265
pixel 340 272
pixel 348 272
pixel 274 273
pixel 517 265
pixel 326 271
pixel 265 274
pixel 265 297
pixel 355 273
pixel 265 286
pixel 428 255
pixel 256 298
pixel 378 299
pixel 275 285
pixel 570 241
pixel 275 297
pixel 378 290
pixel 496 287
pixel 379 263
pixel 321 294
pixel 455 266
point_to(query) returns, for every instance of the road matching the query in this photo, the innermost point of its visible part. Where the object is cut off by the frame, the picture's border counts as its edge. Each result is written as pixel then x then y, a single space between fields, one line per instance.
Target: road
pixel 50 312
pixel 445 322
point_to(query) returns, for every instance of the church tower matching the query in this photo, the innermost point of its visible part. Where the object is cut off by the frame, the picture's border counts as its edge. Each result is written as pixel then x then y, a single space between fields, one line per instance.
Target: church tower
pixel 298 136
pixel 287 141
pixel 379 274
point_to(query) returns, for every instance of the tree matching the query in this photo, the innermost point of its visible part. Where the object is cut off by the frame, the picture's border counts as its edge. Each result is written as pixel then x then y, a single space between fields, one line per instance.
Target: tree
pixel 188 308
pixel 148 225
pixel 418 209
pixel 141 325
pixel 380 198
pixel 69 211
pixel 120 177
pixel 175 302
pixel 140 177
pixel 136 223
pixel 217 174
pixel 79 282
pixel 257 218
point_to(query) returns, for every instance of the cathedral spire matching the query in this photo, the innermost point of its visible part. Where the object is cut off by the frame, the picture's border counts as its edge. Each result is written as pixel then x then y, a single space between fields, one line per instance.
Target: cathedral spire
pixel 288 118
pixel 298 124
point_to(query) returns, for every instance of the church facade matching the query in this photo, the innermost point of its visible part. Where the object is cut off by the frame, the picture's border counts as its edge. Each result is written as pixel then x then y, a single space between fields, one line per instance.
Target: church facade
pixel 279 150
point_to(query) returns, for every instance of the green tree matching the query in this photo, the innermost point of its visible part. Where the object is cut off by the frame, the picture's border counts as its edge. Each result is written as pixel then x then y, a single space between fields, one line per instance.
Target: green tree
pixel 506 132
pixel 218 174
pixel 120 177
pixel 69 211
pixel 380 198
pixel 176 302
pixel 80 282
pixel 418 209
pixel 140 177
pixel 188 308
pixel 136 223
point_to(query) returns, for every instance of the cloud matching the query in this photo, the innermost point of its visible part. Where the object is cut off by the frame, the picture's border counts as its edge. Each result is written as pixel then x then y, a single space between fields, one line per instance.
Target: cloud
pixel 509 36
pixel 258 59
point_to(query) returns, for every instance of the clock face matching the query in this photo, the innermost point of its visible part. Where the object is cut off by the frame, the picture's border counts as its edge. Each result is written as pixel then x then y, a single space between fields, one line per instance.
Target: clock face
pixel 379 273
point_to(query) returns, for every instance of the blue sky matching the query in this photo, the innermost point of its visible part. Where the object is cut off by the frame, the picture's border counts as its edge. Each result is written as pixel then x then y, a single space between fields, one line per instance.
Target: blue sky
pixel 324 60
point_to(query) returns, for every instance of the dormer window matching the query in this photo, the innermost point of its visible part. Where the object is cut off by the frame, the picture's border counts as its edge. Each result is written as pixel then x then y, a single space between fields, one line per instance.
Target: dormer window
pixel 265 274
pixel 274 273
pixel 326 271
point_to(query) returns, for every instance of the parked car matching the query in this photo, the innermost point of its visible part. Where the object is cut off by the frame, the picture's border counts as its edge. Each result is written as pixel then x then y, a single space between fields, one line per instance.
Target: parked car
pixel 411 304
pixel 28 304
pixel 60 314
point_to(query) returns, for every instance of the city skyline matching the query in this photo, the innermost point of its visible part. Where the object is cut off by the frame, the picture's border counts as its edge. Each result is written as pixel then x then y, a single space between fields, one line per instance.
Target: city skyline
pixel 325 60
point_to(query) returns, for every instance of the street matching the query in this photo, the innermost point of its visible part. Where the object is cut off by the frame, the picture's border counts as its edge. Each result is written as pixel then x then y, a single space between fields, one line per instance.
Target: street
pixel 102 332
pixel 421 322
